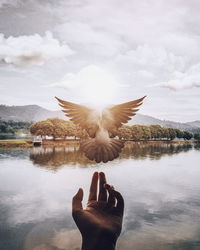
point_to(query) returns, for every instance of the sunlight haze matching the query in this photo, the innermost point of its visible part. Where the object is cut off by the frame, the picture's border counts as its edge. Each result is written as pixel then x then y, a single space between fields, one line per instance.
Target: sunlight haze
pixel 102 52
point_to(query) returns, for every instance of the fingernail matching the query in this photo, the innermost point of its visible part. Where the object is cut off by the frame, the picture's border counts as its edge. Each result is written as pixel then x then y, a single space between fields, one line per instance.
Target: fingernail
pixel 101 174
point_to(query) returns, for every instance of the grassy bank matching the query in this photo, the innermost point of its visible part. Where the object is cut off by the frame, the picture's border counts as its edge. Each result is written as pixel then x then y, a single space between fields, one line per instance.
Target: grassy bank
pixel 19 143
pixel 27 143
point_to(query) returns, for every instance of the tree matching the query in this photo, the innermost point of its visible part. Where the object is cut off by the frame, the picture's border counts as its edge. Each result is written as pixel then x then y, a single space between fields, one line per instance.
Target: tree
pixel 172 133
pixel 156 131
pixel 13 125
pixel 3 127
pixel 80 133
pixel 197 136
pixel 146 132
pixel 42 128
pixel 165 133
pixel 179 133
pixel 136 132
pixel 57 128
pixel 124 132
pixel 187 135
pixel 70 128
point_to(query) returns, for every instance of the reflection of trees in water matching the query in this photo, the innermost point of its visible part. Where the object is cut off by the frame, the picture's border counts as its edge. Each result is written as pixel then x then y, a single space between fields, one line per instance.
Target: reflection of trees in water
pixel 140 150
pixel 55 157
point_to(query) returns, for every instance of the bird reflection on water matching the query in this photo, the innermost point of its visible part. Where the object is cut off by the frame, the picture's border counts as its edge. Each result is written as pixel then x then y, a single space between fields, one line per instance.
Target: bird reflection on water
pixel 56 157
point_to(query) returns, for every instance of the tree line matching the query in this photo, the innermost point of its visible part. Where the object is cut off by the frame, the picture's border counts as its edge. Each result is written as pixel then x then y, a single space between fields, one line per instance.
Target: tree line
pixel 152 132
pixel 59 128
pixel 11 127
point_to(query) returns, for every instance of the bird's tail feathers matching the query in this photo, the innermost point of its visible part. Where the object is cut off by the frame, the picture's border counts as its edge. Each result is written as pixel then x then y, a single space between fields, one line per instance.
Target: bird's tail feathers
pixel 102 150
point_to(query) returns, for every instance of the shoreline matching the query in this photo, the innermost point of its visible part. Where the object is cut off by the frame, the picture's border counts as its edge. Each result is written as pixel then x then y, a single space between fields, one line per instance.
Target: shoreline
pixel 27 143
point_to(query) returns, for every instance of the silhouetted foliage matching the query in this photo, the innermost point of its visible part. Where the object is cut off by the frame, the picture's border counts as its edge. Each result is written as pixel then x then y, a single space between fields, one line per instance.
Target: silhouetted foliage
pixel 197 136
pixel 187 135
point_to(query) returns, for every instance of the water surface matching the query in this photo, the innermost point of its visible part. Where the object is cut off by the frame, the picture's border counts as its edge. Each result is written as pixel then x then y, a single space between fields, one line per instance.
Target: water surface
pixel 159 182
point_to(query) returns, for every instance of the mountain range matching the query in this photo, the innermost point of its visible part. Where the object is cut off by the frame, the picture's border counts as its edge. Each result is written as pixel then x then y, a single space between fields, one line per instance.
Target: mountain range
pixel 32 113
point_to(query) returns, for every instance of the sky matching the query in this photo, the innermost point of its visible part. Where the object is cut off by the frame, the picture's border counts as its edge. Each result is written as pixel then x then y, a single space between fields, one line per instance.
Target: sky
pixel 102 52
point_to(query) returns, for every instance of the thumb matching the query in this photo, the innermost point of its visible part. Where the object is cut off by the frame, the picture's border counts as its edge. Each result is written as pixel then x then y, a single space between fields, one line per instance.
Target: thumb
pixel 77 200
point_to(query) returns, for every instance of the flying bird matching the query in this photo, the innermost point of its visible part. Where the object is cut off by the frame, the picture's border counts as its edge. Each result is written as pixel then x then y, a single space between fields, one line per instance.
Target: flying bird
pixel 101 127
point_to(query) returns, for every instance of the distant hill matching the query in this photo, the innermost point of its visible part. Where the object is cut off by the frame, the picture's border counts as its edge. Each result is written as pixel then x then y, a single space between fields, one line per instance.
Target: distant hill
pixel 194 124
pixel 27 113
pixel 32 113
pixel 149 120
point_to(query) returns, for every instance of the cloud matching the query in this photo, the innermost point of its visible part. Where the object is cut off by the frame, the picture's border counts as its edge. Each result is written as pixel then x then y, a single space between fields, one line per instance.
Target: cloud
pixel 140 42
pixel 147 63
pixel 187 80
pixel 33 49
pixel 8 2
pixel 93 41
pixel 126 25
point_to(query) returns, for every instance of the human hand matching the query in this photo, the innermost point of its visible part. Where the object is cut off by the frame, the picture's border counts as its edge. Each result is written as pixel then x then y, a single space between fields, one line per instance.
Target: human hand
pixel 100 222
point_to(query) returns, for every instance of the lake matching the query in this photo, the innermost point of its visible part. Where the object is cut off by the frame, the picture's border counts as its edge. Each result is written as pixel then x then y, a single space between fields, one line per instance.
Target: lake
pixel 160 183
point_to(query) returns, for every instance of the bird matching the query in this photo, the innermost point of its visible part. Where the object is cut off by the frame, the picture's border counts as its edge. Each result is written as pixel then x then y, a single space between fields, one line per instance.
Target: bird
pixel 101 127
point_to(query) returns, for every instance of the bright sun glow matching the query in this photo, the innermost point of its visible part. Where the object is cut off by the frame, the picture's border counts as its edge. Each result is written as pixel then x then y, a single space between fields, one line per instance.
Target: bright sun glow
pixel 94 85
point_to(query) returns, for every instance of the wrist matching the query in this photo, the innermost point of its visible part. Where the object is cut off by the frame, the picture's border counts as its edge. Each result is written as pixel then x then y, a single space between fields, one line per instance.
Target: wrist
pixel 101 242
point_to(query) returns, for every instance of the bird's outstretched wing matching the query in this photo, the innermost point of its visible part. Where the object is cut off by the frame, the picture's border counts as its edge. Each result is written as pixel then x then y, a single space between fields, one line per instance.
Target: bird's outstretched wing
pixel 115 116
pixel 80 115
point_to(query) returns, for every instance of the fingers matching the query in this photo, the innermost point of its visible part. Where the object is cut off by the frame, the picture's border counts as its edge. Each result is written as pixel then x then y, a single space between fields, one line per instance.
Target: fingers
pixel 93 187
pixel 102 191
pixel 103 188
pixel 77 200
pixel 111 199
pixel 120 202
